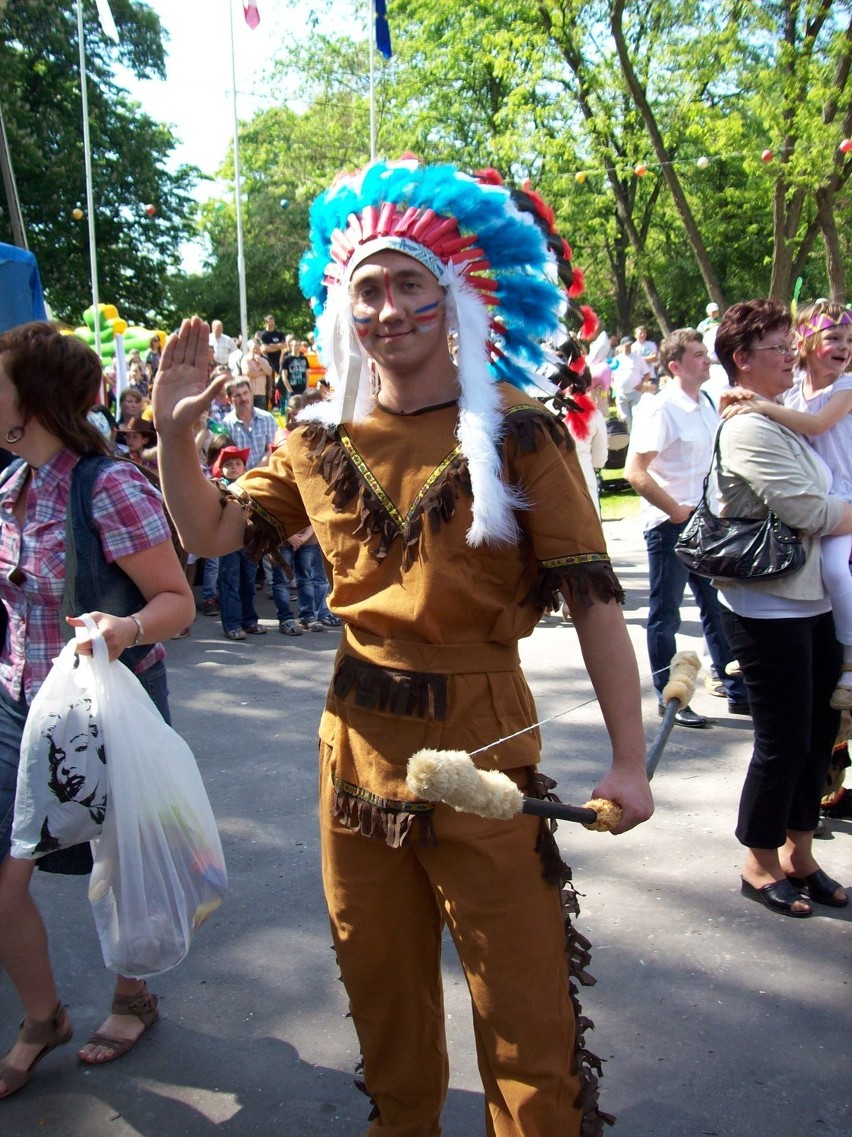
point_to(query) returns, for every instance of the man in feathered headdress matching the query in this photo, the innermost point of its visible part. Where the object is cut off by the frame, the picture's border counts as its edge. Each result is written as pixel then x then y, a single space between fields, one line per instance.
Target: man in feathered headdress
pixel 452 510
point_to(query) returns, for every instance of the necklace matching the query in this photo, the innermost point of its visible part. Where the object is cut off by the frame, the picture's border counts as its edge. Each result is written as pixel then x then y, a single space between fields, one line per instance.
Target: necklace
pixel 419 411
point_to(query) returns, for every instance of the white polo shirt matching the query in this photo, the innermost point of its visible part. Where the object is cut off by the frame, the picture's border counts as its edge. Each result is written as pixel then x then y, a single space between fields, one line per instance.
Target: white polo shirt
pixel 680 431
pixel 628 371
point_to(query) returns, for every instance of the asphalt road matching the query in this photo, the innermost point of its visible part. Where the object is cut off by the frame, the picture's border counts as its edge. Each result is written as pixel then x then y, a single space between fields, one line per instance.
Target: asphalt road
pixel 715 1016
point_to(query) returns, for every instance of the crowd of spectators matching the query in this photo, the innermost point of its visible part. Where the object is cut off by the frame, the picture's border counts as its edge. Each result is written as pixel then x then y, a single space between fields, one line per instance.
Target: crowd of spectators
pixel 263 388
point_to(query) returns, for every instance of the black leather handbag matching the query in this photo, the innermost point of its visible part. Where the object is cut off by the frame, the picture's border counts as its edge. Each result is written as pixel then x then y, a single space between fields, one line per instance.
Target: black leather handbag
pixel 737 548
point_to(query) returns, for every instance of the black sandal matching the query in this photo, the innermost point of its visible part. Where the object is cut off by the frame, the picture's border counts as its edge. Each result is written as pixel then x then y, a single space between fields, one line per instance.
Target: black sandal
pixel 820 888
pixel 779 896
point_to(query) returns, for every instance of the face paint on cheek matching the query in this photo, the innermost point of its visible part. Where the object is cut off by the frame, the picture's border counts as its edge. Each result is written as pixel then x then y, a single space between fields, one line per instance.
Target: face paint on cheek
pixel 426 316
pixel 362 326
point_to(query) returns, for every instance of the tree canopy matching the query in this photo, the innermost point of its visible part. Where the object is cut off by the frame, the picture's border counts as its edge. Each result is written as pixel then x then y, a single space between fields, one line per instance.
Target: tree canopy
pixel 40 95
pixel 690 149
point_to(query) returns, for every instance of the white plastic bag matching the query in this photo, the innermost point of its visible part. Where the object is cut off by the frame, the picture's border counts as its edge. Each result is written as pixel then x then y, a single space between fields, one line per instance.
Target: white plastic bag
pixel 159 870
pixel 61 796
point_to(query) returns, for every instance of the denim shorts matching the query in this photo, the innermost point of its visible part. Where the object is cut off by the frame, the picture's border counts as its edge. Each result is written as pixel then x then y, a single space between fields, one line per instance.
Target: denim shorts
pixel 13 716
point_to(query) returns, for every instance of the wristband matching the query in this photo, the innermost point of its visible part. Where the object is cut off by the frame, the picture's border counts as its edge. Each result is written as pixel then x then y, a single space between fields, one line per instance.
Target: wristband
pixel 140 631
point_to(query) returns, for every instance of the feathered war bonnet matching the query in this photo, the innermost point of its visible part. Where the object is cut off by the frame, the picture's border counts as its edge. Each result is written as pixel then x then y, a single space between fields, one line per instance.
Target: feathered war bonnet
pixel 503 298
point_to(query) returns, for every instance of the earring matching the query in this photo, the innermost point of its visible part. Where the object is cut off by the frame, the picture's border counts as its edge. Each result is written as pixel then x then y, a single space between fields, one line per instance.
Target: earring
pixel 14 435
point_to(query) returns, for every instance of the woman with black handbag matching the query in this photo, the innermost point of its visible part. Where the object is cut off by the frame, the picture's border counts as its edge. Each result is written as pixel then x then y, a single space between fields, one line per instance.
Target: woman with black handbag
pixel 780 628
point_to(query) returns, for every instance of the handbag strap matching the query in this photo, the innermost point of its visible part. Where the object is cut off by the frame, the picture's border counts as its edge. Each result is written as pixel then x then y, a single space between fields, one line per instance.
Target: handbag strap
pixel 717 459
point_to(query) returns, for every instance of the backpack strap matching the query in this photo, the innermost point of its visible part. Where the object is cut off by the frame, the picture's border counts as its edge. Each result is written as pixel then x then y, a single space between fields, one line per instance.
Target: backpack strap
pixel 91 583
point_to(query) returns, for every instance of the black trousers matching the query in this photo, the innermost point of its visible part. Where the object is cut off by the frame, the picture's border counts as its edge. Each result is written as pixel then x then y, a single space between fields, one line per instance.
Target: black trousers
pixel 790 669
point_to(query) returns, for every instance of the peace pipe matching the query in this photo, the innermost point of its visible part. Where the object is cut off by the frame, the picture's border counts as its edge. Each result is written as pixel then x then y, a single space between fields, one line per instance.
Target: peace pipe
pixel 450 776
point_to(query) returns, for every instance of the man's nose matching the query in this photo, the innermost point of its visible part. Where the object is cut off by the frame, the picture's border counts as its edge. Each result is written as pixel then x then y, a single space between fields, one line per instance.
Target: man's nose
pixel 389 309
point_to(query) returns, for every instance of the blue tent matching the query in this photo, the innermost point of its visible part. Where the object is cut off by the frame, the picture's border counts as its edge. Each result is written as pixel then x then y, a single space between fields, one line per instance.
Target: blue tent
pixel 21 298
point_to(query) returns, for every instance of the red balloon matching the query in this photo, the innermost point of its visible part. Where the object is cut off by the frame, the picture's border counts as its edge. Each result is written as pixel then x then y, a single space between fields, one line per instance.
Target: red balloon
pixel 767 155
pixel 150 210
pixel 845 146
pixel 641 170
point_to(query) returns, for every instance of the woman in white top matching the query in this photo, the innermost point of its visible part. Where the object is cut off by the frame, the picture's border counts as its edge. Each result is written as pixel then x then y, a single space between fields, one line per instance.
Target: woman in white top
pixel 781 629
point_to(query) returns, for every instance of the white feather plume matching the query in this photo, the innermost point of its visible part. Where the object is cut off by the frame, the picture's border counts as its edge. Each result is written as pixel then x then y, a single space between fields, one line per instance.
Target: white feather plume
pixel 348 367
pixel 481 420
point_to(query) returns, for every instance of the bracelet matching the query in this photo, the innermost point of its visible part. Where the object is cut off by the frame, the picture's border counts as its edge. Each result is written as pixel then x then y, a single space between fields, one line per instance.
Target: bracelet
pixel 140 631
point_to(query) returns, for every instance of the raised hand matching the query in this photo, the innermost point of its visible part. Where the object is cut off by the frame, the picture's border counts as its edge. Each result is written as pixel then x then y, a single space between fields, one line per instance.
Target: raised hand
pixel 181 390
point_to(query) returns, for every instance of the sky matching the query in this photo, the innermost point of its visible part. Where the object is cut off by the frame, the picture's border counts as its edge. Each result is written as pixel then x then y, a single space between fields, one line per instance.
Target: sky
pixel 195 98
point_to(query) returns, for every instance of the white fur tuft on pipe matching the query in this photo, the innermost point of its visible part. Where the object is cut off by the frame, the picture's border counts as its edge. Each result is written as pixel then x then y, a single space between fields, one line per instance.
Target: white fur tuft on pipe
pixel 450 776
pixel 683 669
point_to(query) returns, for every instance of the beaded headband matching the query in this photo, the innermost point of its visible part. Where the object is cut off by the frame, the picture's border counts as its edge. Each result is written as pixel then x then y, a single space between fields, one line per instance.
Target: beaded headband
pixel 823 322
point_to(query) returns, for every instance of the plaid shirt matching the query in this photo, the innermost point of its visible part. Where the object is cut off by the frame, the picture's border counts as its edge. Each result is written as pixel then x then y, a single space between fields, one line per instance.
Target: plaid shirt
pixel 129 516
pixel 256 437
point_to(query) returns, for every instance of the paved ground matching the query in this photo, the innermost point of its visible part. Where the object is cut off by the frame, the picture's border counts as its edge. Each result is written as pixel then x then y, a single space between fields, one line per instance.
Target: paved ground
pixel 715 1016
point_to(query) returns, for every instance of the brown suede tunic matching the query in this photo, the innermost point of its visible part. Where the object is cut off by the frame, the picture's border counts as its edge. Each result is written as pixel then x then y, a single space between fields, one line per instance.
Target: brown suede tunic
pixel 429 651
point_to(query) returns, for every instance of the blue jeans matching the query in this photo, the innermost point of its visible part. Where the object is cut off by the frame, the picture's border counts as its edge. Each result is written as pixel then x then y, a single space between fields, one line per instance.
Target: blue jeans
pixel 311 582
pixel 668 578
pixel 281 589
pixel 625 404
pixel 210 578
pixel 237 573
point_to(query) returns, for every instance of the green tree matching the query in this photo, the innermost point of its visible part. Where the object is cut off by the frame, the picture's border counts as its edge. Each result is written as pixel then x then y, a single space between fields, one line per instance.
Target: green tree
pixel 286 159
pixel 41 104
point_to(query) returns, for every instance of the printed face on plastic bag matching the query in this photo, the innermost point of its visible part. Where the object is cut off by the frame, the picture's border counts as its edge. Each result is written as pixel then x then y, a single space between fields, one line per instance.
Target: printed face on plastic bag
pixel 69 735
pixel 61 796
pixel 72 751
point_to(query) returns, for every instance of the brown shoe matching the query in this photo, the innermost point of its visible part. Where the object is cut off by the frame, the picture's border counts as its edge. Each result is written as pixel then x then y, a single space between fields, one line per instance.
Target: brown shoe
pixel 142 1006
pixel 53 1032
pixel 841 700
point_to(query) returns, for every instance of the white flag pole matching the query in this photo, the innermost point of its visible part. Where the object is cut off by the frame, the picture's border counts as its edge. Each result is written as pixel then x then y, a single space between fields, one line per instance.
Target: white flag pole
pixel 90 197
pixel 371 36
pixel 241 260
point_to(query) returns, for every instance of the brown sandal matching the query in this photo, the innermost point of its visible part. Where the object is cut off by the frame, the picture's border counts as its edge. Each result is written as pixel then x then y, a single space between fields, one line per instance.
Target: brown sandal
pixel 143 1006
pixel 52 1032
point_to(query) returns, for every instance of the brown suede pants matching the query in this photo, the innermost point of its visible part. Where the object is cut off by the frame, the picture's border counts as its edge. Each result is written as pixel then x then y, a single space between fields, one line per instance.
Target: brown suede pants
pixel 387 908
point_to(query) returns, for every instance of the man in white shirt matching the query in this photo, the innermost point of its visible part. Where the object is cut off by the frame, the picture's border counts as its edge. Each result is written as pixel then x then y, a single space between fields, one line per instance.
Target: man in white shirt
pixel 222 345
pixel 671 448
pixel 628 374
pixel 711 320
pixel 647 349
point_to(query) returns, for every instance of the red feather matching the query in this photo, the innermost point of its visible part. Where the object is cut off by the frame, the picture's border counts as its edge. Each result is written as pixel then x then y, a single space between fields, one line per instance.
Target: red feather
pixel 579 421
pixel 590 322
pixel 578 285
pixel 489 176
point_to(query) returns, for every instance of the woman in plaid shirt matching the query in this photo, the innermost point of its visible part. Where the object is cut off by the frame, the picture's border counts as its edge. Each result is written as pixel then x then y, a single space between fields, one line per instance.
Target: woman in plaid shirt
pixel 48 383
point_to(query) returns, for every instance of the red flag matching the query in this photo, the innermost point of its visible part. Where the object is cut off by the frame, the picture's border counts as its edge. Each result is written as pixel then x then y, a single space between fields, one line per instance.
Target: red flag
pixel 251 13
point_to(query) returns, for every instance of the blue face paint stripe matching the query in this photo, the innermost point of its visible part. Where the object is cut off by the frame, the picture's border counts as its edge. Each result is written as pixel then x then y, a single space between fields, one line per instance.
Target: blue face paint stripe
pixel 361 319
pixel 427 308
